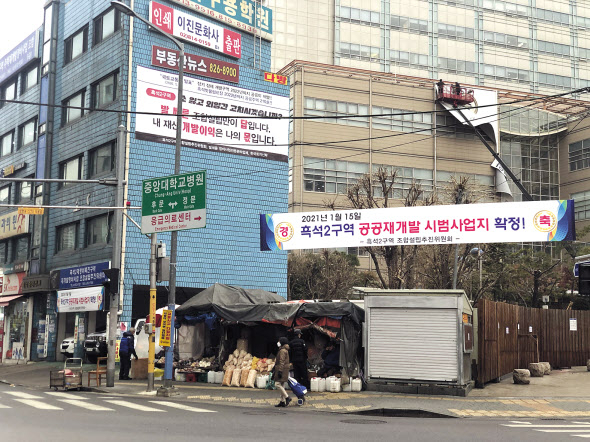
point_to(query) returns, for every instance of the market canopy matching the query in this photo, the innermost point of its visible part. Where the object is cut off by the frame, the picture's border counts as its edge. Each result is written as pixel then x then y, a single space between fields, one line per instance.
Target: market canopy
pixel 220 296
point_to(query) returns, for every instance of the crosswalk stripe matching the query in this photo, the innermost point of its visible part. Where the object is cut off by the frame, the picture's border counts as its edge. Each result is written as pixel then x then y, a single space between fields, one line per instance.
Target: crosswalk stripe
pixel 133 406
pixel 86 405
pixel 4 406
pixel 572 430
pixel 581 435
pixel 22 395
pixel 546 426
pixel 64 395
pixel 38 404
pixel 182 407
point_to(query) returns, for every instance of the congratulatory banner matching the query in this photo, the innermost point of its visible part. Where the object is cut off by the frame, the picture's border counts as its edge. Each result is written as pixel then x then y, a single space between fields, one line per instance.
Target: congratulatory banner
pixel 534 221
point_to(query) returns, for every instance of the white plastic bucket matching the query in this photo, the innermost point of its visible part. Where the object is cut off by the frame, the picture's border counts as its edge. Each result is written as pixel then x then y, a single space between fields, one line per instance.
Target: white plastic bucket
pixel 321 385
pixel 180 377
pixel 357 384
pixel 218 377
pixel 314 384
pixel 261 381
pixel 334 385
pixel 347 387
pixel 211 377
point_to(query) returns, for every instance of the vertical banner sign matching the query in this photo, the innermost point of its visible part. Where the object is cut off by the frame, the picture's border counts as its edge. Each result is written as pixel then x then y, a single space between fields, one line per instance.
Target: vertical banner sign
pixel 195 30
pixel 175 202
pixel 165 329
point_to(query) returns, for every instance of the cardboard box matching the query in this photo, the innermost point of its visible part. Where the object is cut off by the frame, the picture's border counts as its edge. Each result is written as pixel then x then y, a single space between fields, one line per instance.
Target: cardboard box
pixel 138 368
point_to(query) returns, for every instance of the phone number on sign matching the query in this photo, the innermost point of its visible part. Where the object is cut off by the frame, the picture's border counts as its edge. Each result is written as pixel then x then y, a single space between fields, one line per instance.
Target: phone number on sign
pixel 225 70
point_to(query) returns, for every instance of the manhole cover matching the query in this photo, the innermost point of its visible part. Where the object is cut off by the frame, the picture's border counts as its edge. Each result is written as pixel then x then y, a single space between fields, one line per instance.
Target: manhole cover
pixel 362 421
pixel 263 413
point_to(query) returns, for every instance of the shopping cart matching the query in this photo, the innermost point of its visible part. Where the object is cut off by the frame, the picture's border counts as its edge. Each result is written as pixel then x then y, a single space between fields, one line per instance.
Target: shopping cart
pixel 68 378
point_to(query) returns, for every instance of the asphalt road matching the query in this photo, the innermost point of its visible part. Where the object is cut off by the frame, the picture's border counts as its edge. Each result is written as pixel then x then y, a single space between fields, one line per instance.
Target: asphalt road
pixel 32 415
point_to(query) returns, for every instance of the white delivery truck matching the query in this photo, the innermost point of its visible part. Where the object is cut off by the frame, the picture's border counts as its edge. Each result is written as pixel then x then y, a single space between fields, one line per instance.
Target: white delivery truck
pixel 142 338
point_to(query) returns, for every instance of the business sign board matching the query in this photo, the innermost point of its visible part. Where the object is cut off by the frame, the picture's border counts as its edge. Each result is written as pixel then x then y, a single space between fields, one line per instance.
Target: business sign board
pixel 196 65
pixel 247 15
pixel 81 276
pixel 196 30
pixel 176 202
pixel 89 299
pixel 13 284
pixel 424 225
pixel 24 52
pixel 274 78
pixel 220 123
pixel 12 224
pixel 165 329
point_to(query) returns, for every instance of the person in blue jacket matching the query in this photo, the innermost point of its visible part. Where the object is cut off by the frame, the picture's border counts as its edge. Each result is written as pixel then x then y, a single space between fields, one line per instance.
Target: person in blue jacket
pixel 126 349
pixel 331 357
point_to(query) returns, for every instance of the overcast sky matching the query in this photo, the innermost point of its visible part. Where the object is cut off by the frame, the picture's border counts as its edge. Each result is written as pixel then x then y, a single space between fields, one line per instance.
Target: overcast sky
pixel 18 19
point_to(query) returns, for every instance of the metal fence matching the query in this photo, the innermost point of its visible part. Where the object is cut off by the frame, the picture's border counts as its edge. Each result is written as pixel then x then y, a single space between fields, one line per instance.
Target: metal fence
pixel 511 337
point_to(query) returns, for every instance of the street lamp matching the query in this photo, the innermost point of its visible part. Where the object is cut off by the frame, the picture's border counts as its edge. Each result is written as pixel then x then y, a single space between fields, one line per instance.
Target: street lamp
pixel 168 368
pixel 477 253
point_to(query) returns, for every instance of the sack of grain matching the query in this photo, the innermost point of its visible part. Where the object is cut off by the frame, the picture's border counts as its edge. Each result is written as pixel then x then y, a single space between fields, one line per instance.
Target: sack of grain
pixel 251 379
pixel 227 376
pixel 236 376
pixel 244 377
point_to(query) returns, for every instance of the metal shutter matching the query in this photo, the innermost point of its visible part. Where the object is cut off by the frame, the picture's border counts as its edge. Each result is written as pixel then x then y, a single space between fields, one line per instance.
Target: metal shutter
pixel 413 344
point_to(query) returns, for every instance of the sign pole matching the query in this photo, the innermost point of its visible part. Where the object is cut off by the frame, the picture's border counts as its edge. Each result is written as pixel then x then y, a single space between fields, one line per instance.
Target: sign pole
pixel 152 341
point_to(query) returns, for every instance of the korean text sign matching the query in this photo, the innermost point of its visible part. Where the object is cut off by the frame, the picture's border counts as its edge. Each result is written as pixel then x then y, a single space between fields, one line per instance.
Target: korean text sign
pixel 195 30
pixel 218 116
pixel 88 299
pixel 83 276
pixel 195 64
pixel 19 56
pixel 426 225
pixel 176 202
pixel 165 329
pixel 12 224
pixel 246 15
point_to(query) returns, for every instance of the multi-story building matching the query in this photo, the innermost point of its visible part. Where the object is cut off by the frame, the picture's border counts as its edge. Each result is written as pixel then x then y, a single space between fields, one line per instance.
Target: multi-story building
pixel 97 69
pixel 539 46
pixel 395 121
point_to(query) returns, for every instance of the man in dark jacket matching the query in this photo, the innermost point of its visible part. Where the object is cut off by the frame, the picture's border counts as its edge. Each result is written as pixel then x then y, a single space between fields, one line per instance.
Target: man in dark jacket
pixel 299 359
pixel 126 349
pixel 331 357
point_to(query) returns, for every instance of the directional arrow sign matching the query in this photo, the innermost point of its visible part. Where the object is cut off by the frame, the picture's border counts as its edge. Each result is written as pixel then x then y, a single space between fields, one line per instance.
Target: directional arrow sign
pixel 175 202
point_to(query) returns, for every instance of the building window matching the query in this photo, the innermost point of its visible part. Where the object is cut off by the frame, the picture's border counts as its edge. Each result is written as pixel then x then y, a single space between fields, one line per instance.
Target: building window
pixel 76 45
pixel 73 108
pixel 579 155
pixel 23 191
pixel 27 133
pixel 331 176
pixel 98 230
pixel 20 250
pixel 5 195
pixel 354 114
pixel 101 160
pixel 67 237
pixel 3 252
pixel 104 91
pixel 71 170
pixel 106 25
pixel 7 143
pixel 29 78
pixel 581 205
pixel 401 120
pixel 9 91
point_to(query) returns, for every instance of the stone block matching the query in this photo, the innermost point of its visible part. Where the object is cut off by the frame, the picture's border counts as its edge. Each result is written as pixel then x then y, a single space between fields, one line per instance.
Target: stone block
pixel 537 369
pixel 546 366
pixel 588 365
pixel 521 376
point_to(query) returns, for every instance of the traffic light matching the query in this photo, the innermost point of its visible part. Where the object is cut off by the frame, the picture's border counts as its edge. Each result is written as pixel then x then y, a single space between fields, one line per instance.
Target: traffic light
pixel 111 286
pixel 584 279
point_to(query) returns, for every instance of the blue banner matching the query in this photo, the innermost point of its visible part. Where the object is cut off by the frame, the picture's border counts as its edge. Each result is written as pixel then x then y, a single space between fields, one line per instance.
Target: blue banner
pixel 18 57
pixel 83 276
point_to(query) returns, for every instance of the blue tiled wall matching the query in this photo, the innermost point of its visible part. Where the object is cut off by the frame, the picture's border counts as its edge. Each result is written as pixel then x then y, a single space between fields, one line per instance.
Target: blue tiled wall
pixel 238 190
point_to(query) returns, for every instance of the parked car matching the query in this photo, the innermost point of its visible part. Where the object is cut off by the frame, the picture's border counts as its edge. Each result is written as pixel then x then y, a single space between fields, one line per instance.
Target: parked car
pixel 67 347
pixel 96 345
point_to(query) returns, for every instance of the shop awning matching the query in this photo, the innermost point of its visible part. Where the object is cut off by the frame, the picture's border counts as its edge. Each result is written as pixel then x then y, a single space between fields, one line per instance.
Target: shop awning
pixel 4 300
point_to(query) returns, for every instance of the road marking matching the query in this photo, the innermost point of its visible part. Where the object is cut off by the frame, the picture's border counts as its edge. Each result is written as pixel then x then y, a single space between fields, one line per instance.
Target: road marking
pixel 64 395
pixel 86 405
pixel 581 435
pixel 22 395
pixel 4 406
pixel 182 407
pixel 38 404
pixel 546 426
pixel 573 430
pixel 521 422
pixel 133 406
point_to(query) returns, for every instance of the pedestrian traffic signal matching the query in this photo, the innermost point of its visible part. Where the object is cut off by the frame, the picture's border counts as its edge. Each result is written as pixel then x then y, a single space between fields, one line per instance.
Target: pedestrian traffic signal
pixel 111 286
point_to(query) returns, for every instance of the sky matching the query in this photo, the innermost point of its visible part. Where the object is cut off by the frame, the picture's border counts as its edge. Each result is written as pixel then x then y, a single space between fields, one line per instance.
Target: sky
pixel 18 20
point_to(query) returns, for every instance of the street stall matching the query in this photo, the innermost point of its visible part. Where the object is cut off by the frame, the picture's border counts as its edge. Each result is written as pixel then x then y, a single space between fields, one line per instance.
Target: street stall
pixel 239 332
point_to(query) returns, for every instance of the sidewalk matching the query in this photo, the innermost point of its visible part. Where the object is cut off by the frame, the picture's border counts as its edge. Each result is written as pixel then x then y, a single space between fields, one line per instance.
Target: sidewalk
pixel 563 394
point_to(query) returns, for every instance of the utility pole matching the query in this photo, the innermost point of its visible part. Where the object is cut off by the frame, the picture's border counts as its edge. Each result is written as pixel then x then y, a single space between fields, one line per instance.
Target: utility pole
pixel 152 335
pixel 116 260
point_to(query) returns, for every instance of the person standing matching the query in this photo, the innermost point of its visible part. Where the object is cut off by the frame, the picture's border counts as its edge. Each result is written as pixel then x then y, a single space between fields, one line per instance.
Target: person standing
pixel 299 358
pixel 281 375
pixel 126 349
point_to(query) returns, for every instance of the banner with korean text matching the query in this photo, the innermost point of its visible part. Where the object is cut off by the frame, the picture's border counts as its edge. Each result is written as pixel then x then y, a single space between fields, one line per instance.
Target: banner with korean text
pixel 88 299
pixel 226 130
pixel 534 221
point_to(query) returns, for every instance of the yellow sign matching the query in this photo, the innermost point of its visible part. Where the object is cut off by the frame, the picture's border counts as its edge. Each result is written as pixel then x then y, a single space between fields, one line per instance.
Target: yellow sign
pixel 117 345
pixel 31 210
pixel 465 318
pixel 165 328
pixel 8 170
pixel 274 78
